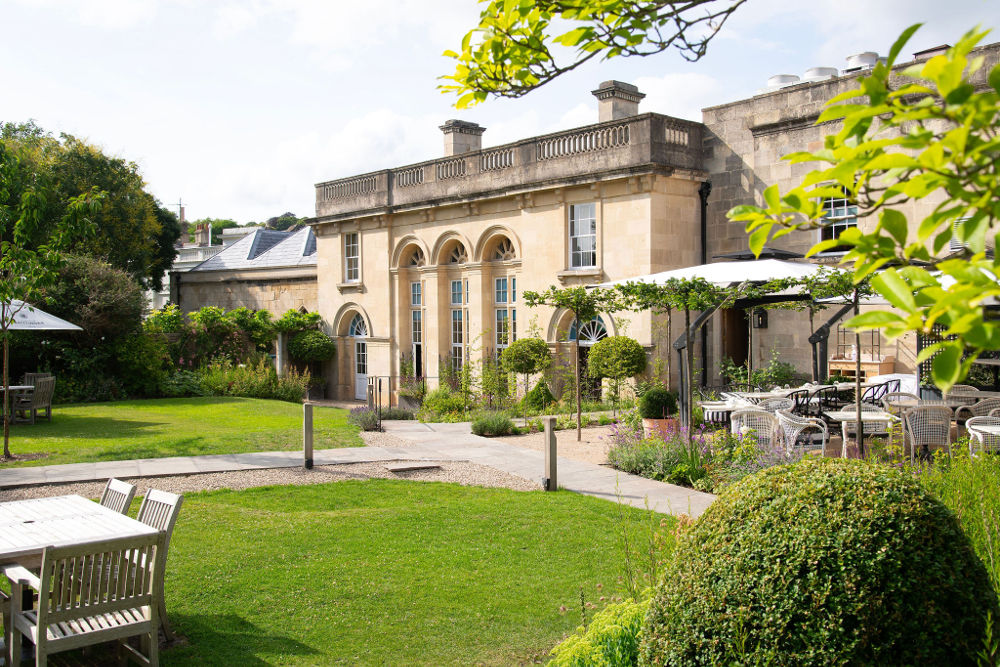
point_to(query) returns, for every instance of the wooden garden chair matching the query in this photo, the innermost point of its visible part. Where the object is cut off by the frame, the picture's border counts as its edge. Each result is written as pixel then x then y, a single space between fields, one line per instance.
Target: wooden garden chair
pixel 118 495
pixel 159 509
pixel 31 403
pixel 84 598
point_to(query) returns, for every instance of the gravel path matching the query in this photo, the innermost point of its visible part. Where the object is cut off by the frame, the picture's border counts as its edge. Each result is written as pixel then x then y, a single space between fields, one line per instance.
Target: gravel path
pixel 466 474
pixel 593 448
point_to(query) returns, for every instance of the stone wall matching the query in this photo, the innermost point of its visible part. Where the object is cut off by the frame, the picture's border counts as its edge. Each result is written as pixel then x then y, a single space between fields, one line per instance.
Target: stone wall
pixel 276 296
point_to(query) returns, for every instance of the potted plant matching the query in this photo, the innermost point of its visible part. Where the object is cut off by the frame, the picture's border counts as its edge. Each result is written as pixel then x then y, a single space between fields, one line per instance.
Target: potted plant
pixel 658 409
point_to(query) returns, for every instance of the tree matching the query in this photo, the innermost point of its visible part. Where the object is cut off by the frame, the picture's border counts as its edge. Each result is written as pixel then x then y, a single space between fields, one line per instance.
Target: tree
pixel 585 305
pixel 25 264
pixel 511 52
pixel 526 356
pixel 130 232
pixel 283 221
pixel 930 133
pixel 616 358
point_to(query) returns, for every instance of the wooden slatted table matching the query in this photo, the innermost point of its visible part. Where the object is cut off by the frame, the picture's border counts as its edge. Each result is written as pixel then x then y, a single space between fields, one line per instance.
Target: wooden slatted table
pixel 28 526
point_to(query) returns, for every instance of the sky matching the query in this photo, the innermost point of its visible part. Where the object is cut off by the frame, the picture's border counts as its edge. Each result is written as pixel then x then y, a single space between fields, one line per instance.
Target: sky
pixel 239 108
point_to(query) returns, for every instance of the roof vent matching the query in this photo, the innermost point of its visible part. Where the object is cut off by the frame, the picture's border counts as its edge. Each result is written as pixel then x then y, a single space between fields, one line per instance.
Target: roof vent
pixel 861 61
pixel 782 80
pixel 820 73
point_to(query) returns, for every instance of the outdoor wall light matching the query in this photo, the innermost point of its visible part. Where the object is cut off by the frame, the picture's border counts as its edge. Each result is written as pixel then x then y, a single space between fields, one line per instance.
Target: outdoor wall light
pixel 759 318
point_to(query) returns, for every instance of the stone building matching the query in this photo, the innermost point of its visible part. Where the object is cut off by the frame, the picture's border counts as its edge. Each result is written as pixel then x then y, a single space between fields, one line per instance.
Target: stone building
pixel 425 264
pixel 263 270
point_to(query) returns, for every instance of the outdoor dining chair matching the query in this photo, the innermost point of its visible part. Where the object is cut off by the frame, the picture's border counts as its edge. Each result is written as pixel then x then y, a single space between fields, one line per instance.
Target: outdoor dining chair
pixel 928 426
pixel 71 613
pixel 800 401
pixel 980 409
pixel 987 441
pixel 891 401
pixel 29 404
pixel 792 426
pixel 875 393
pixel 118 495
pixel 849 428
pixel 772 404
pixel 159 509
pixel 763 425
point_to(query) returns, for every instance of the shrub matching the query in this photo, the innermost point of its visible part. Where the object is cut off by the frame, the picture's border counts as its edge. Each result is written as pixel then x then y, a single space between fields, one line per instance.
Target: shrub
pixel 295 320
pixel 442 401
pixel 311 345
pixel 526 356
pixel 657 403
pixel 396 414
pixel 612 640
pixel 538 398
pixel 253 380
pixel 821 562
pixel 144 363
pixel 493 423
pixel 363 417
pixel 180 384
pixel 616 357
pixel 168 320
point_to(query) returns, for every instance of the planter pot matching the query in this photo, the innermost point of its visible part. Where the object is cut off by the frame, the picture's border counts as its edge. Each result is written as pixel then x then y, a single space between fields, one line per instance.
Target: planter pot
pixel 663 427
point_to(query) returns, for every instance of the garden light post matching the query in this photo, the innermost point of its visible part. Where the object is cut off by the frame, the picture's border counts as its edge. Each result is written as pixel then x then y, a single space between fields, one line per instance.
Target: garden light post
pixel 550 482
pixel 307 435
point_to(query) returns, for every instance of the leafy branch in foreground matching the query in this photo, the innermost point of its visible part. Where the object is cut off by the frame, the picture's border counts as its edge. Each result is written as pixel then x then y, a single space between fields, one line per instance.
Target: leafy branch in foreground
pixel 511 51
pixel 926 131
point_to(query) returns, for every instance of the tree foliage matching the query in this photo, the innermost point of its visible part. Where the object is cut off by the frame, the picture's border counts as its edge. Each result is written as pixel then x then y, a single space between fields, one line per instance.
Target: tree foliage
pixel 513 50
pixel 926 132
pixel 617 358
pixel 526 356
pixel 132 231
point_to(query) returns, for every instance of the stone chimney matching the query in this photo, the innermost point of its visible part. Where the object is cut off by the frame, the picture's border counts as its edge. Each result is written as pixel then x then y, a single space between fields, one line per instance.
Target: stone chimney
pixel 461 137
pixel 617 100
pixel 203 234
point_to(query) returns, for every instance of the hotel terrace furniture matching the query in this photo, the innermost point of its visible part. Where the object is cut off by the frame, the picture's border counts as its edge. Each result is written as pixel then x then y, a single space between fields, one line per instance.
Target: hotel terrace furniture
pixel 792 426
pixel 17 393
pixel 985 430
pixel 118 495
pixel 763 425
pixel 772 404
pixel 27 527
pixel 30 404
pixel 927 426
pixel 875 421
pixel 994 365
pixel 86 595
pixel 159 509
pixel 980 409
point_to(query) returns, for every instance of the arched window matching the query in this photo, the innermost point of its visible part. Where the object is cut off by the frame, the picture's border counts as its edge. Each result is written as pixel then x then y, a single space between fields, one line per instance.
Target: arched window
pixel 416 258
pixel 504 251
pixel 458 255
pixel 590 332
pixel 358 327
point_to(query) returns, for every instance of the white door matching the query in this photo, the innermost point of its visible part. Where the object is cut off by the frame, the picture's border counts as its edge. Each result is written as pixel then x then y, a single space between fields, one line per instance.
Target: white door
pixel 360 370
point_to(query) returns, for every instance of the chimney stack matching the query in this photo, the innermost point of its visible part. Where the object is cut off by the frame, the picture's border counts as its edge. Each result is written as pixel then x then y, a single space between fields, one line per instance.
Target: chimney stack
pixel 203 234
pixel 617 100
pixel 461 137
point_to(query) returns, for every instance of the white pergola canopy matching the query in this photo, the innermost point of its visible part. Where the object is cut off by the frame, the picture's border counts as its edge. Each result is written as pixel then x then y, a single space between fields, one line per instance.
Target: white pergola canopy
pixel 24 316
pixel 730 273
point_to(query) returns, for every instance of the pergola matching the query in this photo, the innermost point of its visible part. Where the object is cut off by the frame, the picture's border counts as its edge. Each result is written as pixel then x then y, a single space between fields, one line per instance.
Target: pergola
pixel 733 273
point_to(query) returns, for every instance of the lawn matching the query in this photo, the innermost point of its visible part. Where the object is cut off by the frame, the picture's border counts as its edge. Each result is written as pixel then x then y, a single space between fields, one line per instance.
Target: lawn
pixel 174 427
pixel 385 572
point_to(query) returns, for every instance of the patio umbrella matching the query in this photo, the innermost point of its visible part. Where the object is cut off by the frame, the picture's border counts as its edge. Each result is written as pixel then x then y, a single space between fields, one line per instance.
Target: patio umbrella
pixel 22 316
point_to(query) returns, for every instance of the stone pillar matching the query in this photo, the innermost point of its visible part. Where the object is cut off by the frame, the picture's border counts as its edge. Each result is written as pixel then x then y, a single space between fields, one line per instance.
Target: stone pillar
pixel 617 100
pixel 462 137
pixel 551 482
pixel 280 362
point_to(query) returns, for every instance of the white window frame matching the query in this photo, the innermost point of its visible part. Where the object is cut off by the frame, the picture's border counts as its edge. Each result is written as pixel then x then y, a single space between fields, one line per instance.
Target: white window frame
pixel 579 214
pixel 843 215
pixel 354 267
pixel 416 294
pixel 416 326
pixel 500 290
pixel 457 338
pixel 501 334
pixel 460 293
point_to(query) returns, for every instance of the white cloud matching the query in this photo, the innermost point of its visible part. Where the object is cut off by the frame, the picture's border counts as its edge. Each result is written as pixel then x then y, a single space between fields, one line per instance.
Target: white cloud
pixel 679 95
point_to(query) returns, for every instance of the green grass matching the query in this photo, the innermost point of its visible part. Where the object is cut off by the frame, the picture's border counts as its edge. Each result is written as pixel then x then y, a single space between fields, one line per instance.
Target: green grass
pixel 385 572
pixel 174 427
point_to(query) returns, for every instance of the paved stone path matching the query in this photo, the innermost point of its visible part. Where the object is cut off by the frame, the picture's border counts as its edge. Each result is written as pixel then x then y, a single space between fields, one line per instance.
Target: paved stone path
pixel 428 442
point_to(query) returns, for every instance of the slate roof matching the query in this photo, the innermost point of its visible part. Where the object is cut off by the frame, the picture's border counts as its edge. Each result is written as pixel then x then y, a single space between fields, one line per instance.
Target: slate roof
pixel 265 249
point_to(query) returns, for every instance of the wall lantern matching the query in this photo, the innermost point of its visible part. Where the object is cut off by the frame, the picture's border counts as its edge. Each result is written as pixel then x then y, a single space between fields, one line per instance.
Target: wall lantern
pixel 759 318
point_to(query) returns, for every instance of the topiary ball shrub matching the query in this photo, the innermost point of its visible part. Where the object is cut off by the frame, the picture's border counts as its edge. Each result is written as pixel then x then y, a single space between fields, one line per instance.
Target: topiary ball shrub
pixel 312 346
pixel 824 562
pixel 538 398
pixel 616 357
pixel 492 423
pixel 657 403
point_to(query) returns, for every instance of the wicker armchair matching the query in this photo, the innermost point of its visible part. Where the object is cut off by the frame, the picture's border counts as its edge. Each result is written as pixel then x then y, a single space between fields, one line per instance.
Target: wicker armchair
pixel 980 409
pixel 891 401
pixel 928 425
pixel 763 424
pixel 849 429
pixel 772 404
pixel 792 426
pixel 987 441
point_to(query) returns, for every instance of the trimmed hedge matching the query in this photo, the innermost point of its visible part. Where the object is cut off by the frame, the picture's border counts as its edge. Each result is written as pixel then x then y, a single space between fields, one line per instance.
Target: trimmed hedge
pixel 657 403
pixel 493 423
pixel 311 345
pixel 539 397
pixel 824 562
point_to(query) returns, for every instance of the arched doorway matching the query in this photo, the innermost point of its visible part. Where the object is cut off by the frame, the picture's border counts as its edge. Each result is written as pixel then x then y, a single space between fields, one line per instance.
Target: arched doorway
pixel 589 333
pixel 359 332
